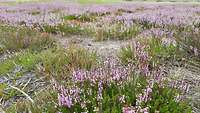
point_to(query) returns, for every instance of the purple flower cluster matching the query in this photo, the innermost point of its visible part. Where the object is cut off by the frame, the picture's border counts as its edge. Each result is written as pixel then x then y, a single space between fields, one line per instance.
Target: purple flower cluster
pixel 100 91
pixel 110 71
pixel 65 100
pixel 146 96
pixel 181 85
pixel 67 96
pixel 135 110
pixel 153 76
pixel 30 14
pixel 51 13
pixel 156 33
pixel 142 57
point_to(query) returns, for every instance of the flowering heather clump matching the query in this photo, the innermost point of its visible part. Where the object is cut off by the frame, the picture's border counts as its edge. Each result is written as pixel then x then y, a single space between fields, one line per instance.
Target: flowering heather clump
pixel 91 86
pixel 154 52
pixel 142 57
pixel 156 33
pixel 113 87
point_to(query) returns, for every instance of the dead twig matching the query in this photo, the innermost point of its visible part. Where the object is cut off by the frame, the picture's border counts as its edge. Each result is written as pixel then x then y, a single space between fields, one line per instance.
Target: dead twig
pixel 28 97
pixel 26 84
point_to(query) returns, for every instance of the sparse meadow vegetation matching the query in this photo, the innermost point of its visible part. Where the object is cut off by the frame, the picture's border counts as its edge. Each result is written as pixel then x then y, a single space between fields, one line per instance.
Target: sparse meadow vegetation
pixel 45 68
pixel 18 38
pixel 60 62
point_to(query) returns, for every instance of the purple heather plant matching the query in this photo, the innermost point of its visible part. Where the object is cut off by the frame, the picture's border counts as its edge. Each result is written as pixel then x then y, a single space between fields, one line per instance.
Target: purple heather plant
pixel 135 110
pixel 142 57
pixel 90 90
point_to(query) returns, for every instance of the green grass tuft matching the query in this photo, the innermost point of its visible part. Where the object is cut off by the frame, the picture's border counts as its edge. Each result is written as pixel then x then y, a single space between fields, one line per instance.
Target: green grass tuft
pixel 27 60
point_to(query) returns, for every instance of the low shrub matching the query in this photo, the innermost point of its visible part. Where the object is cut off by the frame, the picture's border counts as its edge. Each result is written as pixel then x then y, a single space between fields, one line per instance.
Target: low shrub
pixel 189 41
pixel 63 61
pixel 112 88
pixel 116 32
pixel 160 51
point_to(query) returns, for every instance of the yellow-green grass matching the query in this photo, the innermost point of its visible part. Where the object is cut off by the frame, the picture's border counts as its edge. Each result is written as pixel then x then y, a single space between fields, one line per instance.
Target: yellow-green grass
pixel 26 60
